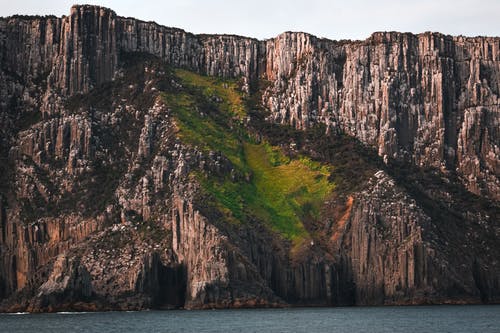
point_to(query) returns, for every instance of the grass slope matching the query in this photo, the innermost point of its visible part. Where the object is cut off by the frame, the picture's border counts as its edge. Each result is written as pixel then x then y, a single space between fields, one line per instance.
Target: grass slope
pixel 281 191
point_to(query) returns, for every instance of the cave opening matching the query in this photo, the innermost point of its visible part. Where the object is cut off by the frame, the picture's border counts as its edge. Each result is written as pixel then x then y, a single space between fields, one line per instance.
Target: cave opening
pixel 171 291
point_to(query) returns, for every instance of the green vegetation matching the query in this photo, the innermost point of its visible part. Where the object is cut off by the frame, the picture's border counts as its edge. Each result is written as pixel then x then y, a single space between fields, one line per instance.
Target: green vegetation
pixel 281 194
pixel 231 100
pixel 270 186
pixel 209 115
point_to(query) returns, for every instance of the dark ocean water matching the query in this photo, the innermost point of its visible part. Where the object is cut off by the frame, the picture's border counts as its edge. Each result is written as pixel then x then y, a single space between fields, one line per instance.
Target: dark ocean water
pixel 351 320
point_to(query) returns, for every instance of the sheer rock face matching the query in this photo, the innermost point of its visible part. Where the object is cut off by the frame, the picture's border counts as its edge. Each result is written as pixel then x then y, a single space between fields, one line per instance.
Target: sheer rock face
pixel 385 243
pixel 397 254
pixel 410 96
pixel 98 210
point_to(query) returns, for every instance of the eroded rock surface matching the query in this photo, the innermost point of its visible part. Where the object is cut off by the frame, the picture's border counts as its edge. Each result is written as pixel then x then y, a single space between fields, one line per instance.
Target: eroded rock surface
pixel 99 208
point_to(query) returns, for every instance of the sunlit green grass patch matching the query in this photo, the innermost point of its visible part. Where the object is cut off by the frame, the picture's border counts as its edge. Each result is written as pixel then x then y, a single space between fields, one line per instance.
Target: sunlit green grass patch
pixel 226 89
pixel 279 190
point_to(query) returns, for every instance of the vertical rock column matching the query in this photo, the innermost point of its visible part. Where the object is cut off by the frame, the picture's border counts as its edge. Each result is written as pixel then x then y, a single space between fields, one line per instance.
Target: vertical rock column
pixel 199 246
pixel 88 50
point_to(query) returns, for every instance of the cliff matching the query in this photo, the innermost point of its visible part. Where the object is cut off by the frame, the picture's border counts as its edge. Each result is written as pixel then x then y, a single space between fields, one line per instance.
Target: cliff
pixel 143 166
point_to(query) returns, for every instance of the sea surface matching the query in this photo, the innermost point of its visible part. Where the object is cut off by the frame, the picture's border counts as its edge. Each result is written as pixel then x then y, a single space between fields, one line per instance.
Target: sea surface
pixel 476 318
